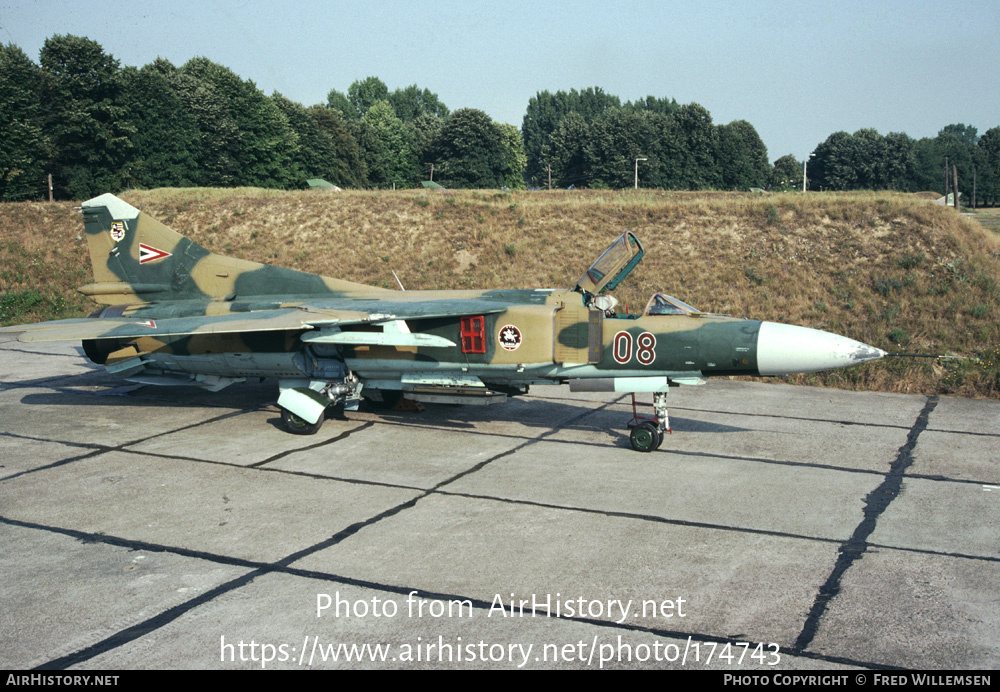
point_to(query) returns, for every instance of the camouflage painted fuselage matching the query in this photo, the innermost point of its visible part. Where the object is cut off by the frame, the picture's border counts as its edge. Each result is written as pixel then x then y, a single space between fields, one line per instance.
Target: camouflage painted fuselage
pixel 553 340
pixel 174 308
pixel 176 313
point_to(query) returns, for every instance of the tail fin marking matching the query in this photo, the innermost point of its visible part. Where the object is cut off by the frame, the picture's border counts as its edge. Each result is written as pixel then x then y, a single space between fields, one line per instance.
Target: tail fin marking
pixel 133 254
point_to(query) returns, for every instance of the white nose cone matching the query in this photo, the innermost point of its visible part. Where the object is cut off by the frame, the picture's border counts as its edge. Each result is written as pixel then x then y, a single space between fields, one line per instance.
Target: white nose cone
pixel 783 349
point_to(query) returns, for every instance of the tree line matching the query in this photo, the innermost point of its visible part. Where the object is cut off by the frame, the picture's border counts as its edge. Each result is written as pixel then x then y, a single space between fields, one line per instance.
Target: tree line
pixel 868 160
pixel 96 126
pixel 589 138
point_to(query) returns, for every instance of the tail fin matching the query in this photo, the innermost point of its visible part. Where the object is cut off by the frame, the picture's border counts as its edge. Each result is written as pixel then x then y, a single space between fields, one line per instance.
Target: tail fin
pixel 135 257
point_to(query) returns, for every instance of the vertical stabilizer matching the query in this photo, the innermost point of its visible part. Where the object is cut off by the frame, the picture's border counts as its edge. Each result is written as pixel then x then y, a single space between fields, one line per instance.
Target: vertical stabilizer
pixel 138 259
pixel 132 253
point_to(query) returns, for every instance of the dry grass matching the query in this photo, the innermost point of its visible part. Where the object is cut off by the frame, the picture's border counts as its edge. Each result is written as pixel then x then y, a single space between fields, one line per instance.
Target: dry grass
pixel 43 258
pixel 888 269
pixel 988 218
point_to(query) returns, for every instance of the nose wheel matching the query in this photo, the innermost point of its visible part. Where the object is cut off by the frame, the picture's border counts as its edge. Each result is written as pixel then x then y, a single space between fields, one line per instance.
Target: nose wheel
pixel 646 432
pixel 645 437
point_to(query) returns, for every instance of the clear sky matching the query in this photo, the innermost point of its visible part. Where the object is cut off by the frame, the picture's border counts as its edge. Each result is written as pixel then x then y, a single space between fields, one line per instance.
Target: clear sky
pixel 798 70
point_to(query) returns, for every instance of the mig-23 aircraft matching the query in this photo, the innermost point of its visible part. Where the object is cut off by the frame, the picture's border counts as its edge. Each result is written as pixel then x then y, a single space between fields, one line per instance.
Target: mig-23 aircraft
pixel 177 314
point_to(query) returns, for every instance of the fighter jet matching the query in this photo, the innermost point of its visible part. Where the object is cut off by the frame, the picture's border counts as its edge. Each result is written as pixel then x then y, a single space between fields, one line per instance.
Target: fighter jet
pixel 175 313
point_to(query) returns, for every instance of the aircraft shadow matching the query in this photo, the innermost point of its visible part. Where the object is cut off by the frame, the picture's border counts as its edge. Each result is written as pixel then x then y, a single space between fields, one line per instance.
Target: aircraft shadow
pixel 538 413
pixel 118 392
pixel 527 411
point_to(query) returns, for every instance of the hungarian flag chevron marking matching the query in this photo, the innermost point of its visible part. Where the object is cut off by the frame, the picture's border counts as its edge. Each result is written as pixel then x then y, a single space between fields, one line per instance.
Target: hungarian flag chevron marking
pixel 148 253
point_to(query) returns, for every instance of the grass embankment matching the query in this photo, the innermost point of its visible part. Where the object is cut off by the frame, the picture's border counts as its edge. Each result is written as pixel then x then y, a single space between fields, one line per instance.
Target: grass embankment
pixel 988 218
pixel 890 270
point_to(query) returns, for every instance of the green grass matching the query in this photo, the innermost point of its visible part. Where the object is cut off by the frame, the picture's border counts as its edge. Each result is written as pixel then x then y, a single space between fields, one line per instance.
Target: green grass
pixel 20 307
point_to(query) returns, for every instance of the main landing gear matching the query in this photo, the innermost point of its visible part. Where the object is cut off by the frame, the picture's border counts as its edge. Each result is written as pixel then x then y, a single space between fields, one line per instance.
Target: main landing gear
pixel 647 431
pixel 303 403
pixel 300 426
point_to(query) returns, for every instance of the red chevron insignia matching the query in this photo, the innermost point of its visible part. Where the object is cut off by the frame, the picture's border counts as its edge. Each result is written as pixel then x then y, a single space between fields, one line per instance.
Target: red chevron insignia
pixel 150 254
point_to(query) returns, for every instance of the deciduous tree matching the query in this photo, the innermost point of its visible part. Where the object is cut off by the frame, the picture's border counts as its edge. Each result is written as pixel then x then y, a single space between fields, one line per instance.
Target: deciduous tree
pixel 833 167
pixel 615 142
pixel 566 152
pixel 786 174
pixel 699 142
pixel 513 160
pixel 24 148
pixel 470 151
pixel 742 157
pixel 365 93
pixel 988 170
pixel 265 145
pixel 351 170
pixel 412 102
pixel 166 138
pixel 387 147
pixel 89 127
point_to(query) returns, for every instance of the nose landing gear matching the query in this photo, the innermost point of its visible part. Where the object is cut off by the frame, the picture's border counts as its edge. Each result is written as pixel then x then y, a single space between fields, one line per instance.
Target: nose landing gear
pixel 647 431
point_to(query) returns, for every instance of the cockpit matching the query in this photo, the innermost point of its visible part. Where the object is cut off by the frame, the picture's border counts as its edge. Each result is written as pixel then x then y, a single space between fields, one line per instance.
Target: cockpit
pixel 611 268
pixel 662 304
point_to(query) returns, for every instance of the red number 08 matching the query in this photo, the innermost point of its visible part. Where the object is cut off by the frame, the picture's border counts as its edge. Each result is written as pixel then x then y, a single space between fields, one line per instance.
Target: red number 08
pixel 645 348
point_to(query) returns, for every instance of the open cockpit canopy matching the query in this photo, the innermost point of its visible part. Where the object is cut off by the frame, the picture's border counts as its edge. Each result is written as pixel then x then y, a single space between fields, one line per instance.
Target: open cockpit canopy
pixel 613 265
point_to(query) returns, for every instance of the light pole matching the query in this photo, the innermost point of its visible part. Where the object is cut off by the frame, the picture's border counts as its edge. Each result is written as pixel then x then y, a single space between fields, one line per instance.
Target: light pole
pixel 637 172
pixel 804 162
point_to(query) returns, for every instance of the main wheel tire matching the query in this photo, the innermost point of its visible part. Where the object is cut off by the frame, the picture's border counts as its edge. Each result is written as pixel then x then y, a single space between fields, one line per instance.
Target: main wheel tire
pixel 299 426
pixel 645 437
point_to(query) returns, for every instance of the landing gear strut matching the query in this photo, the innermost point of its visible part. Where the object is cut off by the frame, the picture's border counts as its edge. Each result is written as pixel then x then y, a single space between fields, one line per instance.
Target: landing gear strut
pixel 303 408
pixel 647 431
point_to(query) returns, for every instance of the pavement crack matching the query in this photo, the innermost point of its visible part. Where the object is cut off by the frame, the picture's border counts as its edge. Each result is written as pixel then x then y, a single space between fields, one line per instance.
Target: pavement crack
pixel 876 502
pixel 866 424
pixel 143 628
pixel 526 443
pixel 342 436
pixel 103 449
pixel 56 464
